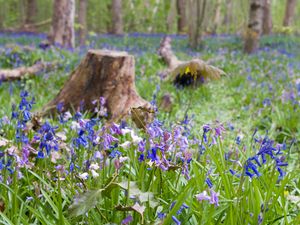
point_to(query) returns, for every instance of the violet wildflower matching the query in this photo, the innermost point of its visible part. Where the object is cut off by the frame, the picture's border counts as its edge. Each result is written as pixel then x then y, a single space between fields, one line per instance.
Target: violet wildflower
pixel 127 220
pixel 176 220
pixel 214 199
pixel 208 182
pixel 202 196
pixel 161 215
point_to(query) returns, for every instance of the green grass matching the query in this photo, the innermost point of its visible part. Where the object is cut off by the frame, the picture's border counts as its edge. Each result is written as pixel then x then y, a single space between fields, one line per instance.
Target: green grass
pixel 259 92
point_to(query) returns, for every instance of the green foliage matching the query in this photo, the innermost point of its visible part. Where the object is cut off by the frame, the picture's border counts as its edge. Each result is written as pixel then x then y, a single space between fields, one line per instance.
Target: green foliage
pixel 258 93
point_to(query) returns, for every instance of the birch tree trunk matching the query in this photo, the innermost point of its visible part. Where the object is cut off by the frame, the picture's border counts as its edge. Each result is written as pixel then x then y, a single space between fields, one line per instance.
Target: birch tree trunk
pixel 62 31
pixel 267 18
pixel 82 21
pixel 289 12
pixel 117 20
pixel 181 10
pixel 254 29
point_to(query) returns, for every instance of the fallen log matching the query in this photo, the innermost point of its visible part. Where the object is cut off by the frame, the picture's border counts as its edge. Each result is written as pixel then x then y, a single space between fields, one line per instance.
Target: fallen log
pixel 185 73
pixel 18 73
pixel 107 74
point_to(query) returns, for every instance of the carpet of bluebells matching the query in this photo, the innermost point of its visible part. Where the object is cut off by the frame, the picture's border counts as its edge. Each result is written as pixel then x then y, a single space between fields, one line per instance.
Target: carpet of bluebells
pixel 226 152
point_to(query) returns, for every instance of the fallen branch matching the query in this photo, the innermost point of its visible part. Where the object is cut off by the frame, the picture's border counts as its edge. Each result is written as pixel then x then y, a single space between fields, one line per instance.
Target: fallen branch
pixel 184 73
pixel 18 73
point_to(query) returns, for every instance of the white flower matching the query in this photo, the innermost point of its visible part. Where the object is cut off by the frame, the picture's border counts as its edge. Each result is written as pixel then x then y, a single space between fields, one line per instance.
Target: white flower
pixel 135 139
pixel 67 116
pixel 125 131
pixel 94 166
pixel 84 176
pixel 125 145
pixel 75 125
pixel 123 159
pixel 94 174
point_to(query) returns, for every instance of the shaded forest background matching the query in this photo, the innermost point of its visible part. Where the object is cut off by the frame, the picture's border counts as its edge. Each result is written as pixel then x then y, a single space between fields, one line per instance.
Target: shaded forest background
pixel 146 16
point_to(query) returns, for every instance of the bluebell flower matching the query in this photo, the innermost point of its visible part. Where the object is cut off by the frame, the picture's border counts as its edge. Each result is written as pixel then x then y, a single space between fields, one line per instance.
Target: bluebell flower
pixel 115 153
pixel 127 220
pixel 161 215
pixel 152 154
pixel 40 155
pixel 208 182
pixel 176 220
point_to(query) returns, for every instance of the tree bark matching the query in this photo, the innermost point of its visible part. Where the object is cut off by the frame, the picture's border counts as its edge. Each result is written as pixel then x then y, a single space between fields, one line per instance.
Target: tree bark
pixel 82 21
pixel 289 12
pixel 254 29
pixel 267 17
pixel 62 31
pixel 181 22
pixel 31 11
pixel 117 20
pixel 197 10
pixel 217 16
pixel 18 73
pixel 105 74
pixel 228 13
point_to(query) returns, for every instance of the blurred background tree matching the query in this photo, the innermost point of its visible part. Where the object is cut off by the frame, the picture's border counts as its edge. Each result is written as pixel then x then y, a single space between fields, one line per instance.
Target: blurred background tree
pixel 226 16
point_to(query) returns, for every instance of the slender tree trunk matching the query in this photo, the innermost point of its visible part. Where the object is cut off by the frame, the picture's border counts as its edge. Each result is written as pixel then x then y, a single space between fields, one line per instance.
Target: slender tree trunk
pixel 171 16
pixel 217 16
pixel 254 26
pixel 267 18
pixel 31 11
pixel 197 10
pixel 117 20
pixel 62 31
pixel 289 12
pixel 181 10
pixel 228 14
pixel 82 21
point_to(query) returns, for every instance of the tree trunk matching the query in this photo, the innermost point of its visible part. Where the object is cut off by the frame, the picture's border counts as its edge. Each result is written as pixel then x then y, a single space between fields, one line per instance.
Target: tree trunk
pixel 172 15
pixel 228 13
pixel 289 12
pixel 217 16
pixel 181 10
pixel 267 17
pixel 197 9
pixel 31 11
pixel 254 29
pixel 62 31
pixel 117 20
pixel 105 74
pixel 82 21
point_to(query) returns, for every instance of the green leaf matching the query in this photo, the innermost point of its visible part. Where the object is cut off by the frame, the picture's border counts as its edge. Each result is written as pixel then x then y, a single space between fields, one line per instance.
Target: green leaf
pixel 84 202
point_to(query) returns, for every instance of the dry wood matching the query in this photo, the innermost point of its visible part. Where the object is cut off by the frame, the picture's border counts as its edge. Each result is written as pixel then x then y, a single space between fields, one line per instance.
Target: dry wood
pixel 105 74
pixel 18 73
pixel 195 71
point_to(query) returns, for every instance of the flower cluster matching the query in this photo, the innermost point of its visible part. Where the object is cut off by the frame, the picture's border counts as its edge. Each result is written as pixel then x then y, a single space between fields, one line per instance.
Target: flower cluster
pixel 267 148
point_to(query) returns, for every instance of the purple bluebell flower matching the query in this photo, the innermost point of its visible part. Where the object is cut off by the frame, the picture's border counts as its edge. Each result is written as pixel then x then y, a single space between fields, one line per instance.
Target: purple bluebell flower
pixel 176 220
pixel 127 220
pixel 161 215
pixel 208 182
pixel 214 199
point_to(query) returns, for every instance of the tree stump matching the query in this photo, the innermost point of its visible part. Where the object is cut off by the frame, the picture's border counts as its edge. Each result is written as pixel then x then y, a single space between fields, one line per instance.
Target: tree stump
pixel 107 74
